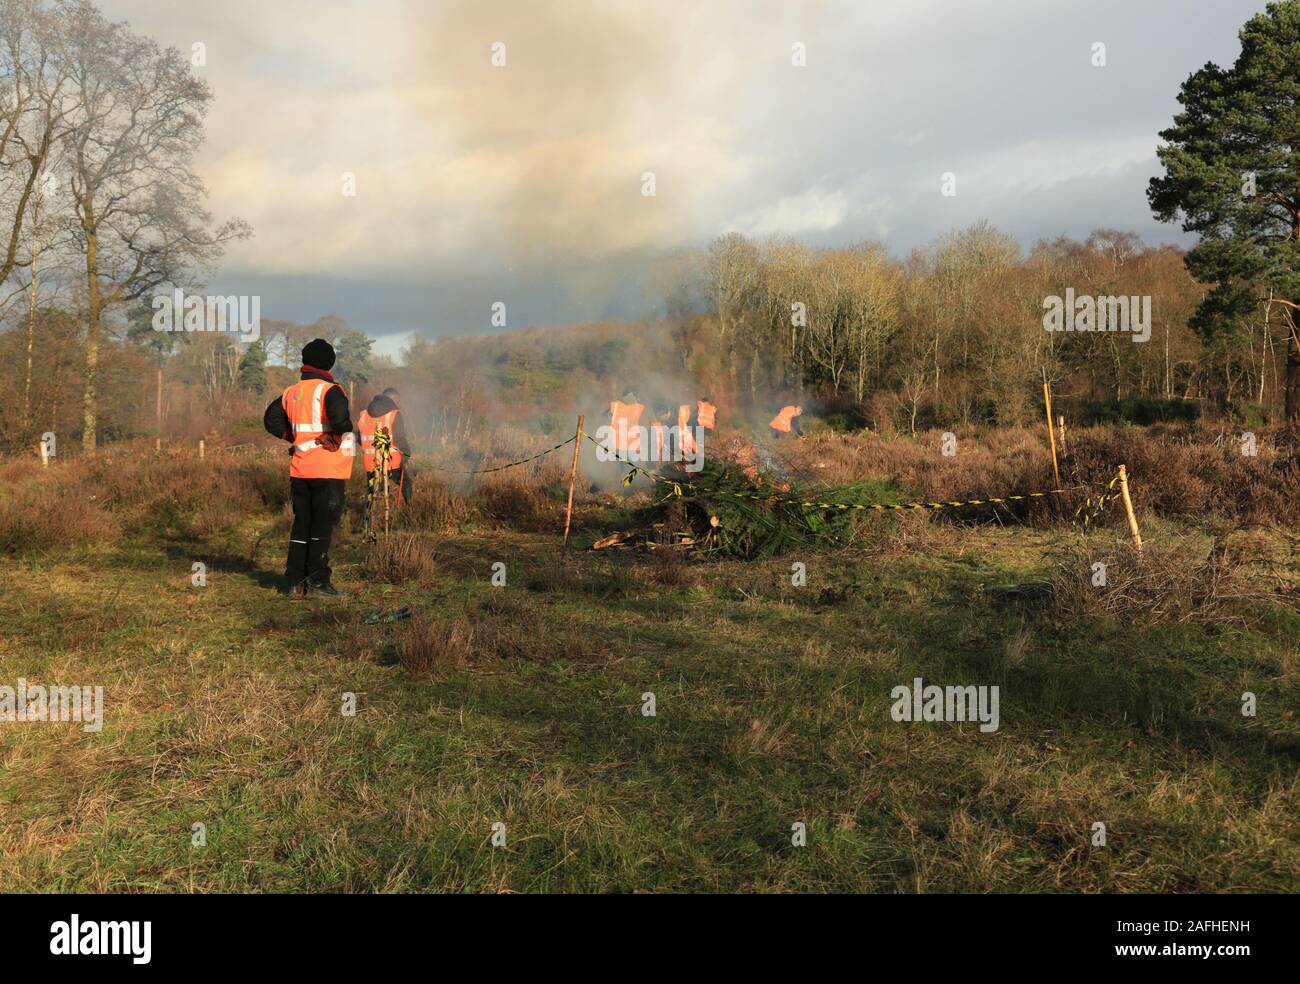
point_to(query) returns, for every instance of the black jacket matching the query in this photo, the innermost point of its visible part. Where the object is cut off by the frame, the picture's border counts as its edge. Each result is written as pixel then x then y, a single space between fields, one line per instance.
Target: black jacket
pixel 337 413
pixel 381 405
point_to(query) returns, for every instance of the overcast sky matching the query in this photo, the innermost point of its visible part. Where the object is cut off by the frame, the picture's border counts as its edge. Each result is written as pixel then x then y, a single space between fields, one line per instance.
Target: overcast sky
pixel 523 183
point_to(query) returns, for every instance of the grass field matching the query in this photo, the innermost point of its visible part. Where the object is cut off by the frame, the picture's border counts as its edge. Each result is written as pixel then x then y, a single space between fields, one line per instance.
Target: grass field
pixel 522 704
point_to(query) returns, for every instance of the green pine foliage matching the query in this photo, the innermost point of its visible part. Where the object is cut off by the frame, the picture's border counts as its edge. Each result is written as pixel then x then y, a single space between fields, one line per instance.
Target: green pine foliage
pixel 751 525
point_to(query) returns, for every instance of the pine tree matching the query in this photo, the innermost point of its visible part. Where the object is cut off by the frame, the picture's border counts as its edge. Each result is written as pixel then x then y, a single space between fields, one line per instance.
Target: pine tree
pixel 1232 173
pixel 252 368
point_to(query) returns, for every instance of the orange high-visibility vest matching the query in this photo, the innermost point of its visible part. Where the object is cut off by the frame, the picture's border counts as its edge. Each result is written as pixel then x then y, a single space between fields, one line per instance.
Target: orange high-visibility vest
pixel 366 425
pixel 624 418
pixel 685 439
pixel 782 420
pixel 304 404
pixel 706 414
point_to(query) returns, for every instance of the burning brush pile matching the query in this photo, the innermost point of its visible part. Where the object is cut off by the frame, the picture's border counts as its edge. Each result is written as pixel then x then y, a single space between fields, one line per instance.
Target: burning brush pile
pixel 746 506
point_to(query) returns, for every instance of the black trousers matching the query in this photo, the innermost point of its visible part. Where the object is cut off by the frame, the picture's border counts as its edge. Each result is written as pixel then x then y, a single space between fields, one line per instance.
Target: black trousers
pixel 317 508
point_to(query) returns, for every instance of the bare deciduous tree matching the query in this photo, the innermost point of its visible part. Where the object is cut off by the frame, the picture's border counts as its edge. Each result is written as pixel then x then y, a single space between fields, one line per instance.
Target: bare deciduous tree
pixel 139 218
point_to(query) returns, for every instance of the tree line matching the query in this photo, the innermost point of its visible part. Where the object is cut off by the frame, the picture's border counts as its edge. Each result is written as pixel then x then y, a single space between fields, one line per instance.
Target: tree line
pixel 956 331
pixel 100 205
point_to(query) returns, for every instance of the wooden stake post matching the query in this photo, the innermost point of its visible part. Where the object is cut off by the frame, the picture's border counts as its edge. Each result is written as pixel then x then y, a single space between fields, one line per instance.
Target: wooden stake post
pixel 573 477
pixel 1128 509
pixel 1051 431
pixel 384 485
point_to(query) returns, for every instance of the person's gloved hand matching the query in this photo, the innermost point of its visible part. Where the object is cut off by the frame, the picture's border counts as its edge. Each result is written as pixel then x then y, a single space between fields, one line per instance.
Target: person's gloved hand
pixel 330 442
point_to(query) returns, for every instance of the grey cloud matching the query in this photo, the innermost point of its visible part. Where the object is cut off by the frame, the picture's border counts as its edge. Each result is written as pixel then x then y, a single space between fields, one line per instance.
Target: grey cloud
pixel 522 184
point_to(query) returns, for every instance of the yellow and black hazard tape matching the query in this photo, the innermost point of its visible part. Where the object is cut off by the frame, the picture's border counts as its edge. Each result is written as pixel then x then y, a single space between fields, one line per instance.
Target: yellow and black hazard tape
pixel 1095 507
pixel 882 506
pixel 842 506
pixel 383 451
pixel 497 468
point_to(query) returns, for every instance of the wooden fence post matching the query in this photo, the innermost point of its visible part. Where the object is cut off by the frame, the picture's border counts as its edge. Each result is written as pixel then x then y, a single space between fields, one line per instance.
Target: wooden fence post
pixel 573 477
pixel 1128 509
pixel 1051 431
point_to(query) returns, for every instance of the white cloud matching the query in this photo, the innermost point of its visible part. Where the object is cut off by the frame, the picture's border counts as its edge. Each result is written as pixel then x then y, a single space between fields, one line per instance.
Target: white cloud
pixel 525 181
pixel 813 210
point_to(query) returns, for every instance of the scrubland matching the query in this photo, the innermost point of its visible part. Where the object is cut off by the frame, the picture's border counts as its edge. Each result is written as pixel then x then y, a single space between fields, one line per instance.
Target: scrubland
pixel 522 704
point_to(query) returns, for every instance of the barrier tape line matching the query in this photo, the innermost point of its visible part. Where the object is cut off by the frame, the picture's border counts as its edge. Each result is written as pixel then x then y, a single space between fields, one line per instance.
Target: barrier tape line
pixel 845 506
pixel 497 468
pixel 1096 509
pixel 882 506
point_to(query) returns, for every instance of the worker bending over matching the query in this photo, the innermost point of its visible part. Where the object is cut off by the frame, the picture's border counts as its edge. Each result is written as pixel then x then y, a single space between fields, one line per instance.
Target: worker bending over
pixel 786 421
pixel 313 415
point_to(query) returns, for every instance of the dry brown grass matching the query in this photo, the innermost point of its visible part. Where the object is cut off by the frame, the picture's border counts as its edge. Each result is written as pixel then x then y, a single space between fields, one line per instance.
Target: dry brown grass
pixel 1197 470
pixel 430 644
pixel 1002 462
pixel 500 628
pixel 127 490
pixel 400 557
pixel 39 512
pixel 668 568
pixel 1178 579
pixel 434 507
pixel 526 497
pixel 1173 470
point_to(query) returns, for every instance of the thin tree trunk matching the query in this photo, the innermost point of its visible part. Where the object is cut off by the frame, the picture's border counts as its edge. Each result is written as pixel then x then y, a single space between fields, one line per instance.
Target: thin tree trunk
pixel 1293 375
pixel 1169 383
pixel 31 322
pixel 92 341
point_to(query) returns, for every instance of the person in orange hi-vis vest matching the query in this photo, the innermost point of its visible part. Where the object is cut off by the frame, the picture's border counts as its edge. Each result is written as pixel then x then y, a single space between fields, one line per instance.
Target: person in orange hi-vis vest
pixel 624 421
pixel 686 446
pixel 706 413
pixel 785 421
pixel 313 415
pixel 384 411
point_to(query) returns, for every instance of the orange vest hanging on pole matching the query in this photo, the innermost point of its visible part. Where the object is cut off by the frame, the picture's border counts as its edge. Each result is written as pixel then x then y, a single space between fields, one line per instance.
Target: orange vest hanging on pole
pixel 781 421
pixel 685 439
pixel 624 419
pixel 706 414
pixel 317 453
pixel 366 425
